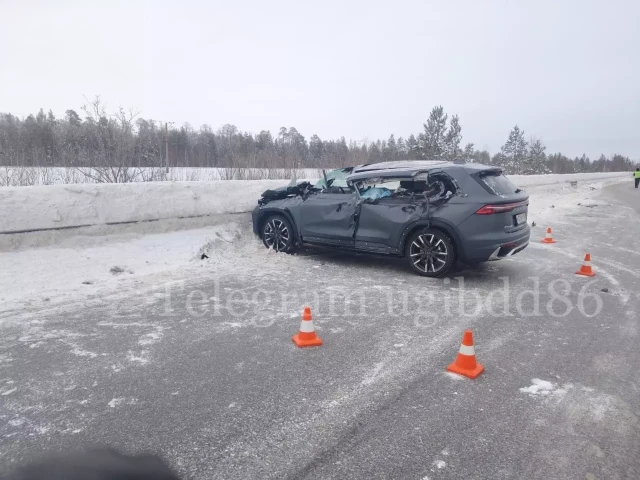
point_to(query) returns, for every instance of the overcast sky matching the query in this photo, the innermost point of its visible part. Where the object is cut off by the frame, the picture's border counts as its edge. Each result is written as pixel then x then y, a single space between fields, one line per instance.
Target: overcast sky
pixel 567 72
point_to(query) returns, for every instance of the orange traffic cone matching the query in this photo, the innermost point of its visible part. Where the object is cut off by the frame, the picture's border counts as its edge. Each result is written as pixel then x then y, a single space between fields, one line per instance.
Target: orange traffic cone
pixel 465 363
pixel 548 238
pixel 307 336
pixel 585 269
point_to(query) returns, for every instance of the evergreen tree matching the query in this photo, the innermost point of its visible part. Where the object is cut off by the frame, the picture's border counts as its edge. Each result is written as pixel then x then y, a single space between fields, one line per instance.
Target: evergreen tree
pixel 514 152
pixel 536 163
pixel 583 163
pixel 482 157
pixel 402 148
pixel 560 164
pixel 390 152
pixel 468 151
pixel 73 118
pixel 316 150
pixel 375 155
pixel 413 147
pixel 452 139
pixel 432 142
pixel 498 160
pixel 264 141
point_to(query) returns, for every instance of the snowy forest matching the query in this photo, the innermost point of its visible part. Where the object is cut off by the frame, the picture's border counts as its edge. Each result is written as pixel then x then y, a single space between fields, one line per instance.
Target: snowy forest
pixel 94 138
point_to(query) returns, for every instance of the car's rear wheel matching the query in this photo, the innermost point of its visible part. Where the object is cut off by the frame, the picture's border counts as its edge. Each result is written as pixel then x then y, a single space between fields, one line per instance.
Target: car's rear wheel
pixel 430 253
pixel 277 234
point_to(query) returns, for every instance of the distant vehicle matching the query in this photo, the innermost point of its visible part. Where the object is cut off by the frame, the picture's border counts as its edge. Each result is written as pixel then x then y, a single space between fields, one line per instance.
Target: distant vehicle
pixel 431 212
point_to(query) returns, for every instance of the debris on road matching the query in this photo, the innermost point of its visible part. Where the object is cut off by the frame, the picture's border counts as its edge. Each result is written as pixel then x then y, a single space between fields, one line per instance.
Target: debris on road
pixel 118 270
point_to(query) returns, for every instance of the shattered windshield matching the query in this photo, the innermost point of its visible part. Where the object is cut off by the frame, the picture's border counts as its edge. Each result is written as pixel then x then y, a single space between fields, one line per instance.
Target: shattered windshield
pixel 336 178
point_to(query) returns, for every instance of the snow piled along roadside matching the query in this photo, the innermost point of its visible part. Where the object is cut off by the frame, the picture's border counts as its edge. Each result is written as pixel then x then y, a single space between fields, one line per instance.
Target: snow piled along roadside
pixel 64 206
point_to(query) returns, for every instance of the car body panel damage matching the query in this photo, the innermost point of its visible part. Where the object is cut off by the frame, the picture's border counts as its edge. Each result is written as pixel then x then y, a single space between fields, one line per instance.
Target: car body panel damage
pixel 380 209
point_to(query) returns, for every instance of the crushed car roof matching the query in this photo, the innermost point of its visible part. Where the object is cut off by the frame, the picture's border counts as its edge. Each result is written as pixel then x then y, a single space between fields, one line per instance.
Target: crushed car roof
pixel 407 168
pixel 400 165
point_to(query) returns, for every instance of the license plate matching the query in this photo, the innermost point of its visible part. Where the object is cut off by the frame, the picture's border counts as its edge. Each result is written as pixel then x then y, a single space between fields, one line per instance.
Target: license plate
pixel 521 218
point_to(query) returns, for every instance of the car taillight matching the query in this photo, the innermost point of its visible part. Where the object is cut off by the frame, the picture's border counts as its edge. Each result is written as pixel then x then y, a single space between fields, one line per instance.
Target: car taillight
pixel 506 207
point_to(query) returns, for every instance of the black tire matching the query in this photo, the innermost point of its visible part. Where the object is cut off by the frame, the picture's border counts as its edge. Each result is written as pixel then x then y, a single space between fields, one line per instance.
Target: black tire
pixel 277 234
pixel 430 253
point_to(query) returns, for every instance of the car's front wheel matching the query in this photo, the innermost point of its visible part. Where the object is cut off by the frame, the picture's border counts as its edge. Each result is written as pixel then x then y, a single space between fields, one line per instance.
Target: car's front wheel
pixel 277 234
pixel 430 253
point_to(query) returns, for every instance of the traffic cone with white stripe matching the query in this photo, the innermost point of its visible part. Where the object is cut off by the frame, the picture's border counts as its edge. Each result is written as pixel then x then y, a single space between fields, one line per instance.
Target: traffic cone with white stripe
pixel 585 269
pixel 307 336
pixel 465 363
pixel 548 238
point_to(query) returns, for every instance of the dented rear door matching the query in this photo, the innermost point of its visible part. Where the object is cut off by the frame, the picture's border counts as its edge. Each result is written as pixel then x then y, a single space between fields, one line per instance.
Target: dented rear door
pixel 382 223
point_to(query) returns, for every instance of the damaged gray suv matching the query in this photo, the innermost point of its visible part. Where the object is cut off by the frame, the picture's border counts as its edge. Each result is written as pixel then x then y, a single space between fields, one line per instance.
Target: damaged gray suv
pixel 433 213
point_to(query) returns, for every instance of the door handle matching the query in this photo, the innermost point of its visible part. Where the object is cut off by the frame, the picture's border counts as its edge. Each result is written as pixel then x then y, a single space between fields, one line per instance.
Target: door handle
pixel 339 207
pixel 409 208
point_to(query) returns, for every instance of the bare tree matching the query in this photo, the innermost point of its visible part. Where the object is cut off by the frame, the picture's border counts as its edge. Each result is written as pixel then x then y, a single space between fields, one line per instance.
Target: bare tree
pixel 114 139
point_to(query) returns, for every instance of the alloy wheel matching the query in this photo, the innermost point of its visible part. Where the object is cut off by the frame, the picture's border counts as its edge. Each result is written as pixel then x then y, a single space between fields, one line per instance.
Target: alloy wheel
pixel 277 235
pixel 429 253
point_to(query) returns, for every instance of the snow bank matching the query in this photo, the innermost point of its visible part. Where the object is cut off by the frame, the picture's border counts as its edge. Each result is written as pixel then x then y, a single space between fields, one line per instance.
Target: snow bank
pixel 25 209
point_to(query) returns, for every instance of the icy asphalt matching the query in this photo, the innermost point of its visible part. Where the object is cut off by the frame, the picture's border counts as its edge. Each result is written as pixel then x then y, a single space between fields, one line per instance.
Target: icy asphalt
pixel 202 370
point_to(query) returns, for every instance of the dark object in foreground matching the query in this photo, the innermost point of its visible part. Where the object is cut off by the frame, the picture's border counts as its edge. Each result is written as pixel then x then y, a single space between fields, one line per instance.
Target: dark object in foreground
pixel 430 212
pixel 102 464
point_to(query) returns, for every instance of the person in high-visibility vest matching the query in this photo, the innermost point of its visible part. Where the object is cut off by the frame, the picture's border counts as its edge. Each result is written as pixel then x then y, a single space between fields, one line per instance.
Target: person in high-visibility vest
pixel 636 176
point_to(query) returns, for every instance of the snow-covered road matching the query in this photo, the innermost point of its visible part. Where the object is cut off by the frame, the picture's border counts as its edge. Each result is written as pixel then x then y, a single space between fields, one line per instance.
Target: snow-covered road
pixel 193 359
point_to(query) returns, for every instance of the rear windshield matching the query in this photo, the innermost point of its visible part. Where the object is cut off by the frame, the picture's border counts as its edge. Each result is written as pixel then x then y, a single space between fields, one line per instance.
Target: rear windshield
pixel 498 183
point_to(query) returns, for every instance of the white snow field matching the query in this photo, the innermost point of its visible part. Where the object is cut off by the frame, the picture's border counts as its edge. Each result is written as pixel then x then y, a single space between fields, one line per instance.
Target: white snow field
pixel 209 217
pixel 35 176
